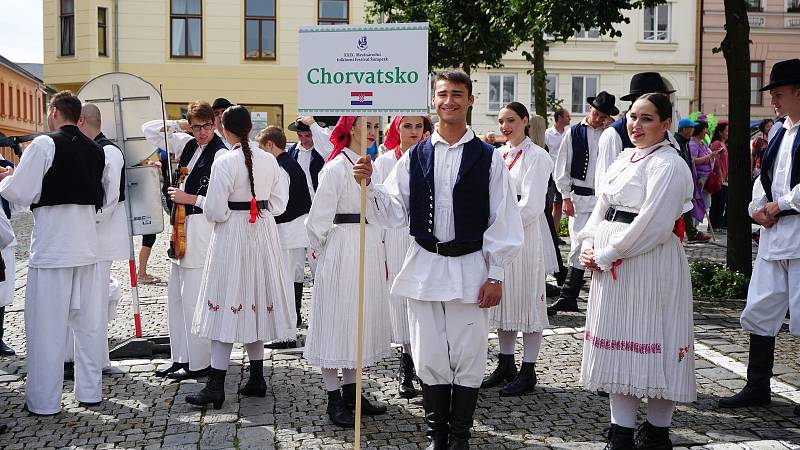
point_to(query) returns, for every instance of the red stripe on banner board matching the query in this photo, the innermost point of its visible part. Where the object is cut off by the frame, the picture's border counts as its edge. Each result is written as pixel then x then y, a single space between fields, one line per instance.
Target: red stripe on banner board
pixel 361 94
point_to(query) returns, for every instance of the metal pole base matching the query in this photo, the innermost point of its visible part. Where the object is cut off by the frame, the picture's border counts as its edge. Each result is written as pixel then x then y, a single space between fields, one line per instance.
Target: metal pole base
pixel 141 348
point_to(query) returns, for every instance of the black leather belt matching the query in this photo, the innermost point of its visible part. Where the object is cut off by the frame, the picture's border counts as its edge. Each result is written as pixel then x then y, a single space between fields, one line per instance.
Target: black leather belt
pixel 347 218
pixel 451 249
pixel 615 215
pixel 519 197
pixel 788 212
pixel 191 209
pixel 245 206
pixel 583 191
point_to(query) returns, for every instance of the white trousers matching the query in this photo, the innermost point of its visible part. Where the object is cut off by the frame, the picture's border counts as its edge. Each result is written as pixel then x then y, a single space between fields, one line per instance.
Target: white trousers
pixel 182 298
pixel 104 302
pixel 448 342
pixel 774 288
pixel 295 260
pixel 55 299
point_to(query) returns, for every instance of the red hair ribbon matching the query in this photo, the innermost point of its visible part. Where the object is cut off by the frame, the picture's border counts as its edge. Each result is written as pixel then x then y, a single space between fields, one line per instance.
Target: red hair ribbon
pixel 253 210
pixel 340 136
pixel 680 228
pixel 393 134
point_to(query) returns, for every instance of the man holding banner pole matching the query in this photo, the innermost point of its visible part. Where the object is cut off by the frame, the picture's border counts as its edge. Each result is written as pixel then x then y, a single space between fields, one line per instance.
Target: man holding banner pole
pixel 467 227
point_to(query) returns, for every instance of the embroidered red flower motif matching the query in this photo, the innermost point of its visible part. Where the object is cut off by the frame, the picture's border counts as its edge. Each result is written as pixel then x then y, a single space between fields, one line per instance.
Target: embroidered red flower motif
pixel 682 352
pixel 541 299
pixel 236 310
pixel 212 307
pixel 253 308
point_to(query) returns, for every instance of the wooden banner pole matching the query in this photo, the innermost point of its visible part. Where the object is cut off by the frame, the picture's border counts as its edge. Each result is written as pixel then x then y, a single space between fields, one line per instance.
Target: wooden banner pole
pixel 361 239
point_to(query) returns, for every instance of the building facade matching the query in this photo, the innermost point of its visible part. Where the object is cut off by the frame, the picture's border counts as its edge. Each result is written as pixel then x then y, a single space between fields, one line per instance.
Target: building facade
pixel 774 36
pixel 243 50
pixel 23 103
pixel 661 39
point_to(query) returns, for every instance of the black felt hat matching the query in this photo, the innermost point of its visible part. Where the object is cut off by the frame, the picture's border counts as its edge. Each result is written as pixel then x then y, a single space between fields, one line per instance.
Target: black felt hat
pixel 604 102
pixel 645 83
pixel 297 125
pixel 221 103
pixel 783 73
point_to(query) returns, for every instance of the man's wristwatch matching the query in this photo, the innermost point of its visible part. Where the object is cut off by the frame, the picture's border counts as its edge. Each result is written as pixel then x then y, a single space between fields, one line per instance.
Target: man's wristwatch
pixel 494 281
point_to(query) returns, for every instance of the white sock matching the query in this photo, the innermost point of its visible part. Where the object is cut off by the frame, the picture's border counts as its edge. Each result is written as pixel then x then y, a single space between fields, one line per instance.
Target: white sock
pixel 407 349
pixel 348 376
pixel 659 412
pixel 624 409
pixel 331 379
pixel 255 350
pixel 221 354
pixel 531 342
pixel 508 341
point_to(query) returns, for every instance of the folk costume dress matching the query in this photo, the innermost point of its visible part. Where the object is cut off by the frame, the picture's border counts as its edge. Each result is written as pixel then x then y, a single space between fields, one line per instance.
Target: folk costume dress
pixel 246 294
pixel 523 307
pixel 331 341
pixel 639 339
pixel 396 241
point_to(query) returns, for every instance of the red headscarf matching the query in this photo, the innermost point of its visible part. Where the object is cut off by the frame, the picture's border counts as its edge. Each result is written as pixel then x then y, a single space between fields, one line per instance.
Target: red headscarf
pixel 393 135
pixel 340 137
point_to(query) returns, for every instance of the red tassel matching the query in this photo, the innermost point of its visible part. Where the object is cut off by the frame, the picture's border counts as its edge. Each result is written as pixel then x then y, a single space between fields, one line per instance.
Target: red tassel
pixel 613 269
pixel 680 228
pixel 253 210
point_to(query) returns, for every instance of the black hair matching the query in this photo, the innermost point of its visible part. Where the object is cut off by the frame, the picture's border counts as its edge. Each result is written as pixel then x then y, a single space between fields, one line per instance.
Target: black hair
pixel 700 128
pixel 762 126
pixel 456 76
pixel 67 105
pixel 427 125
pixel 522 112
pixel 661 102
pixel 717 136
pixel 236 119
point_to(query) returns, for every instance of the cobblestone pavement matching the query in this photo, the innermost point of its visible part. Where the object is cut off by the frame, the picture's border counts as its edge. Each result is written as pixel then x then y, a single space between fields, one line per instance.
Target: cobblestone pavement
pixel 142 411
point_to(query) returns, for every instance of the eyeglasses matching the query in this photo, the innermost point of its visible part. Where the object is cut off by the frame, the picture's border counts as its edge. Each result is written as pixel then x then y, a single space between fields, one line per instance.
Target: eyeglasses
pixel 208 127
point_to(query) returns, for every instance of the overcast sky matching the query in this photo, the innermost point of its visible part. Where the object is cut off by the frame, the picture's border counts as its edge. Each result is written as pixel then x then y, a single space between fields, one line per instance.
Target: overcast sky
pixel 21 30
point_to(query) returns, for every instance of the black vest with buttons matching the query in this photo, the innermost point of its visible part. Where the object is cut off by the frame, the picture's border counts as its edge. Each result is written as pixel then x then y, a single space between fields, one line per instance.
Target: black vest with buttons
pixel 470 192
pixel 76 175
pixel 771 157
pixel 103 141
pixel 580 152
pixel 196 182
pixel 317 161
pixel 299 198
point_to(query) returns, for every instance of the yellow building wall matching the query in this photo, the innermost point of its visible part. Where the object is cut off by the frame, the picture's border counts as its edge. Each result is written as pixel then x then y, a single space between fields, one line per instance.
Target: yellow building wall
pixel 144 50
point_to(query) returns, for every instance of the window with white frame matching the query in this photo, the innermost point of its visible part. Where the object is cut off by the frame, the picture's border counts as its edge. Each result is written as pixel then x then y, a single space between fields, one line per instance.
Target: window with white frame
pixel 591 33
pixel 552 82
pixel 793 6
pixel 501 91
pixel 583 86
pixel 657 23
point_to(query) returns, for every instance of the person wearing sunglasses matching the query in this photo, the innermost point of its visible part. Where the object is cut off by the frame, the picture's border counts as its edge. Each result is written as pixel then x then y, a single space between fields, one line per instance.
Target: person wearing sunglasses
pixel 191 355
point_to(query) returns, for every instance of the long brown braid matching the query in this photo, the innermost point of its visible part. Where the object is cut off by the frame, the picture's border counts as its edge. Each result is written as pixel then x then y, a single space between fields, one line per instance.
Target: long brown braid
pixel 236 119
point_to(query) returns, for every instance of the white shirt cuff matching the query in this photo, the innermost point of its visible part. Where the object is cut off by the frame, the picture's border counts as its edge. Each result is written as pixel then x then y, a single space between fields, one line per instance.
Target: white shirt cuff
pixel 496 272
pixel 784 202
pixel 605 257
pixel 200 201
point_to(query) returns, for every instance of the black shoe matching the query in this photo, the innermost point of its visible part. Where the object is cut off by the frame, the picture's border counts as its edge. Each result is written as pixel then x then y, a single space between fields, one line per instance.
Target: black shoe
pixel 298 301
pixel 462 409
pixel 568 300
pixel 436 401
pixel 338 412
pixel 173 368
pixel 797 410
pixel 650 437
pixel 620 438
pixel 367 408
pixel 405 385
pixel 5 350
pixel 552 291
pixel 505 372
pixel 69 370
pixel 256 385
pixel 213 393
pixel 603 394
pixel 89 404
pixel 523 383
pixel 185 374
pixel 759 370
pixel 281 345
pixel 561 242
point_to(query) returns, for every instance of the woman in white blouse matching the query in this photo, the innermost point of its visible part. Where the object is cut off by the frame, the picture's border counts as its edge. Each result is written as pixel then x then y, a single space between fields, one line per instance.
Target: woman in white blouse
pixel 523 308
pixel 638 342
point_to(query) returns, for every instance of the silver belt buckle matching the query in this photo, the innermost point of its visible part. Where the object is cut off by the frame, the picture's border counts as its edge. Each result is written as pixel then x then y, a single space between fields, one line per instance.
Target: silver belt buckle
pixel 437 248
pixel 614 215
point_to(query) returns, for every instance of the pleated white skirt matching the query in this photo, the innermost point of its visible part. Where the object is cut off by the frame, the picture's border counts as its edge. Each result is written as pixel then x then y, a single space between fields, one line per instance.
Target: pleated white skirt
pixel 397 241
pixel 639 337
pixel 333 325
pixel 523 307
pixel 246 294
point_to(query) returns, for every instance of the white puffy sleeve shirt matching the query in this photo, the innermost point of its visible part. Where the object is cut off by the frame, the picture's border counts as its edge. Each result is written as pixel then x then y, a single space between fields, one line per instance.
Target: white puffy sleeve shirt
pixel 429 276
pixel 608 149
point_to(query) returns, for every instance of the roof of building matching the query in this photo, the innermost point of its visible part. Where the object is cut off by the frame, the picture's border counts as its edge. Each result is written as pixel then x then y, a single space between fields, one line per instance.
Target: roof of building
pixel 25 72
pixel 37 69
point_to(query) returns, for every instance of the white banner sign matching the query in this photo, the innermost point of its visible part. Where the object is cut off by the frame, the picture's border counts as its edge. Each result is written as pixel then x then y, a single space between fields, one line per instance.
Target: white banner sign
pixel 361 70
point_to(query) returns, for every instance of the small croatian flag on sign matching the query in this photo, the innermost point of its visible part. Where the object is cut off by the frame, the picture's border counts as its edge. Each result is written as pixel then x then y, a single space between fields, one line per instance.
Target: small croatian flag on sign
pixel 361 98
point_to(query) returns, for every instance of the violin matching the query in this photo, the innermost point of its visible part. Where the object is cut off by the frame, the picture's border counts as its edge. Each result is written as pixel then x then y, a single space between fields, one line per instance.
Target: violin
pixel 177 218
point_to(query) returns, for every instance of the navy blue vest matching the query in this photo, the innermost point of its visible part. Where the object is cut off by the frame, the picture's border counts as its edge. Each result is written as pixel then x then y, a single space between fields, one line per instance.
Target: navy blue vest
pixel 621 126
pixel 299 197
pixel 580 152
pixel 771 156
pixel 103 141
pixel 197 181
pixel 6 205
pixel 470 193
pixel 317 161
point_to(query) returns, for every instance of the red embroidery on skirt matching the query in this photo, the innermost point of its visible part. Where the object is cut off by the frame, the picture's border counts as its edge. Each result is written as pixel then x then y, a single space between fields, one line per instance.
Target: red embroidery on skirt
pixel 628 346
pixel 541 299
pixel 682 352
pixel 235 309
pixel 253 308
pixel 212 307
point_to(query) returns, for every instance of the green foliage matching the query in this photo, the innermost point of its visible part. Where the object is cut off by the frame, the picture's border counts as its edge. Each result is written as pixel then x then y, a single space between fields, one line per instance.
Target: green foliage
pixel 563 227
pixel 711 280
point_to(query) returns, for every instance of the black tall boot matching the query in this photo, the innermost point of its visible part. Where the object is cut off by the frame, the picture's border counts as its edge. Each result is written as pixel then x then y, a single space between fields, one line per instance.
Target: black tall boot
pixel 338 412
pixel 620 438
pixel 213 393
pixel 298 301
pixel 462 408
pixel 651 437
pixel 759 370
pixel 405 386
pixel 505 372
pixel 568 300
pixel 523 383
pixel 436 401
pixel 5 350
pixel 256 385
pixel 367 408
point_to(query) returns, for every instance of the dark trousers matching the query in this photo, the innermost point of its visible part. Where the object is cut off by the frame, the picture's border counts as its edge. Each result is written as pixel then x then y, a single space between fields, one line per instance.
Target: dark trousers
pixel 718 214
pixel 548 214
